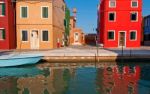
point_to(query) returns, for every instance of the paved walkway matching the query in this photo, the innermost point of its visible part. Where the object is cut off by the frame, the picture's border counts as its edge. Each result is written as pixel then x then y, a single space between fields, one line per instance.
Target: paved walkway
pixel 82 51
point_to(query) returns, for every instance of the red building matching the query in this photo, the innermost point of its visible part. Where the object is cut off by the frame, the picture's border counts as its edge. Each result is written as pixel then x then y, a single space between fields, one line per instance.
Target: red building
pixel 119 23
pixel 7 25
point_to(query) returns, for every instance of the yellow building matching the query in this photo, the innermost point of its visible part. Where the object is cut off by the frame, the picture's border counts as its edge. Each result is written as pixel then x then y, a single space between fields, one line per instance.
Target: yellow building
pixel 40 23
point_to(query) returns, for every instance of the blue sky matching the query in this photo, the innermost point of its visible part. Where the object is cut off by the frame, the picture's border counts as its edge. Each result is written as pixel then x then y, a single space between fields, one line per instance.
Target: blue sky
pixel 87 13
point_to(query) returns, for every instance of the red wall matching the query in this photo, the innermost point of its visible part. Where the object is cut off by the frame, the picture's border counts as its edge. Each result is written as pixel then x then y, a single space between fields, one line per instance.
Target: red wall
pixel 123 23
pixel 8 22
pixel 119 83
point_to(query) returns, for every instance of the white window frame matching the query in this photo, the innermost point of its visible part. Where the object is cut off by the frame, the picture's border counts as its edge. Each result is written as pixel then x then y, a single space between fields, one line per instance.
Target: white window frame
pixel 114 17
pixel 42 35
pixel 135 6
pixel 27 35
pixel 110 4
pixel 5 9
pixel 135 36
pixel 137 16
pixel 42 12
pixel 114 35
pixel 5 33
pixel 21 12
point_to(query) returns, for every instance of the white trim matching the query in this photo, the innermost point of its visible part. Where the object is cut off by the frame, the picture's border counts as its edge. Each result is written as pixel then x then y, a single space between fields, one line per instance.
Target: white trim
pixel 114 35
pixel 114 16
pixel 21 12
pixel 2 2
pixel 137 16
pixel 135 36
pixel 5 9
pixel 27 35
pixel 134 6
pixel 42 35
pixel 119 39
pixel 110 4
pixel 42 12
pixel 5 34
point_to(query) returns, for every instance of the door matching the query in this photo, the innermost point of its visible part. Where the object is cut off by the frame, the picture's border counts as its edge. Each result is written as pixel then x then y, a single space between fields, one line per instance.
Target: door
pixel 34 39
pixel 122 40
pixel 76 37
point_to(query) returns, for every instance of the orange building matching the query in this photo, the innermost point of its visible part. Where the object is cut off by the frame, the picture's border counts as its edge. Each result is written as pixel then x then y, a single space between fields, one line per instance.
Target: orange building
pixel 40 24
pixel 77 36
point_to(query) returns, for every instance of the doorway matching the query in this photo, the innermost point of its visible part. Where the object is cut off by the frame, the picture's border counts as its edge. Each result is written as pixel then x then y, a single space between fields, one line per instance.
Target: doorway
pixel 34 39
pixel 122 39
pixel 76 37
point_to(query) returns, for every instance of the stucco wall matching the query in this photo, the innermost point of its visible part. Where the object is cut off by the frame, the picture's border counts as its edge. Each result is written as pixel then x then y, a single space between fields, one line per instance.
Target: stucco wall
pixel 35 22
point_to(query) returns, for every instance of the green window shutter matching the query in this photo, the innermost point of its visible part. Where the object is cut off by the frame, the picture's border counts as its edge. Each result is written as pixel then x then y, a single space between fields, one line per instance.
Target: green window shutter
pixel 3 8
pixel 24 12
pixel 133 36
pixel 45 12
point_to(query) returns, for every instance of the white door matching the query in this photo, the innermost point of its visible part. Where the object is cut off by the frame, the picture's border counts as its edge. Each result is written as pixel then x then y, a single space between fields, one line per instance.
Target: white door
pixel 34 39
pixel 76 38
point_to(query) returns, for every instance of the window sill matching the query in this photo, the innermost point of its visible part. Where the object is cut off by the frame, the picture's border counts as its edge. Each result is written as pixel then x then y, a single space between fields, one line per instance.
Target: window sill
pixel 133 40
pixel 111 39
pixel 2 39
pixel 111 21
pixel 134 21
pixel 45 41
pixel 24 41
pixel 2 15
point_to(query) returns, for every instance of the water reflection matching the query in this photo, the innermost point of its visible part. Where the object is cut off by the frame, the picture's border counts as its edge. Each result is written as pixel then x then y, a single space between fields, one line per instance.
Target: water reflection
pixel 75 78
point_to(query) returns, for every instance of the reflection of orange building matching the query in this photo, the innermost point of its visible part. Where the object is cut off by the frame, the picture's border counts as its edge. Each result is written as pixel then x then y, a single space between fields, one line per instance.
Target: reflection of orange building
pixel 119 80
pixel 76 34
pixel 37 85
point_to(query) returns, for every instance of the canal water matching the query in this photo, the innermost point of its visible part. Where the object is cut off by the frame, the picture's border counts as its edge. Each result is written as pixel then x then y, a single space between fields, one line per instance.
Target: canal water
pixel 76 78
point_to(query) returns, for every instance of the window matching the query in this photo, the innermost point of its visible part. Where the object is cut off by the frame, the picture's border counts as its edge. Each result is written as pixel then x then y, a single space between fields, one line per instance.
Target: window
pixel 134 16
pixel 24 12
pixel 111 35
pixel 133 35
pixel 45 35
pixel 24 35
pixel 112 4
pixel 134 4
pixel 112 16
pixel 44 12
pixel 2 9
pixel 2 34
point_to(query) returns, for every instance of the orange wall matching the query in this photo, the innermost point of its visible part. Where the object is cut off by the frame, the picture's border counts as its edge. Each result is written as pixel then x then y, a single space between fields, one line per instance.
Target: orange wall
pixel 54 23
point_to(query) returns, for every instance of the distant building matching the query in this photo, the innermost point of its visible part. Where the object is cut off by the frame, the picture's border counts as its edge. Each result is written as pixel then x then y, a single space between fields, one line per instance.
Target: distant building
pixel 119 23
pixel 40 24
pixel 90 39
pixel 77 36
pixel 147 30
pixel 7 25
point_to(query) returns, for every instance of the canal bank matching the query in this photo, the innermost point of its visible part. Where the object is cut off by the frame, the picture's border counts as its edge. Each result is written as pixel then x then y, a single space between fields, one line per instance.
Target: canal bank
pixel 86 54
pixel 95 59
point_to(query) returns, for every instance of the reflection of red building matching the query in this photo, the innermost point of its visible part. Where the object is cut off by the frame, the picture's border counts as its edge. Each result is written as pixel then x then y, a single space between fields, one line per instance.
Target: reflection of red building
pixel 119 23
pixel 120 81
